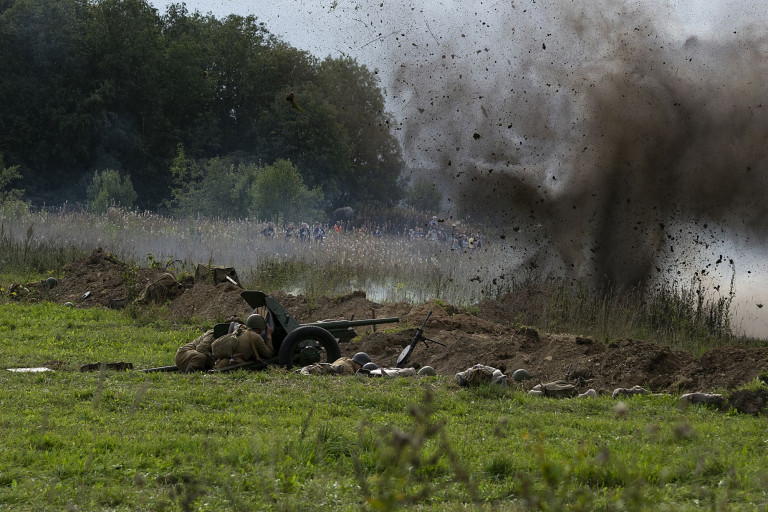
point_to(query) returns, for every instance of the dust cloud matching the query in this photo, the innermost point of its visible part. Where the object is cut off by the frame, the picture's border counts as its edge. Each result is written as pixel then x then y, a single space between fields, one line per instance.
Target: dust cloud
pixel 601 127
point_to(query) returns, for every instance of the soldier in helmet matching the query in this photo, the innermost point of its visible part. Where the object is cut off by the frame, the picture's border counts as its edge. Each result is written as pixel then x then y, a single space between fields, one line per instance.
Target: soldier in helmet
pixel 480 374
pixel 352 364
pixel 368 368
pixel 248 342
pixel 341 366
pixel 244 342
pixel 196 356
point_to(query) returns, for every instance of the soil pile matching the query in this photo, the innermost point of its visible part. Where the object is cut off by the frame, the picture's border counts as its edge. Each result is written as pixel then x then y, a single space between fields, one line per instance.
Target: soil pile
pixel 101 280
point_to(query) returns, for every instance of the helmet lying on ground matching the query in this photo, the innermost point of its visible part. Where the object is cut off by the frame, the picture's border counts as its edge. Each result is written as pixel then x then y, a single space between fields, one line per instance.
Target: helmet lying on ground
pixel 361 358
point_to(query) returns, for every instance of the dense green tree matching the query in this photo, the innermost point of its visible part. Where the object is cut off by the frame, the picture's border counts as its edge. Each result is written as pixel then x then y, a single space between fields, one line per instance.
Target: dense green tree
pixel 305 131
pixel 210 190
pixel 188 88
pixel 375 154
pixel 41 94
pixel 279 192
pixel 111 84
pixel 126 47
pixel 108 188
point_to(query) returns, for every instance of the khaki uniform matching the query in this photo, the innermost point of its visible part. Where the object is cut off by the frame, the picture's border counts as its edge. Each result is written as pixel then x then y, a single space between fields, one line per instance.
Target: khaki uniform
pixel 196 355
pixel 345 366
pixel 555 389
pixel 480 374
pixel 242 345
pixel 341 366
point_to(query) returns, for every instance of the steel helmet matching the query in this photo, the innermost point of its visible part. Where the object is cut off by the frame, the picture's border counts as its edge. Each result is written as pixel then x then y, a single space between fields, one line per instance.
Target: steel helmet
pixel 521 374
pixel 370 366
pixel 361 358
pixel 427 370
pixel 256 322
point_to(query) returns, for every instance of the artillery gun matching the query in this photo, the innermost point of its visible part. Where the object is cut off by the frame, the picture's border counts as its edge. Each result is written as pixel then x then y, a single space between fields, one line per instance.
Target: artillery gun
pixel 295 344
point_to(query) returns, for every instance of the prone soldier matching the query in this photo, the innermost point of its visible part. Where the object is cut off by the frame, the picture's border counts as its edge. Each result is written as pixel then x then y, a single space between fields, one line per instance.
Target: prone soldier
pixel 251 341
pixel 341 366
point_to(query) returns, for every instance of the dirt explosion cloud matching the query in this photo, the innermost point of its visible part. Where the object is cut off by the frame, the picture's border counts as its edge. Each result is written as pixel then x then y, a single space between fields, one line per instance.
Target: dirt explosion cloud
pixel 598 128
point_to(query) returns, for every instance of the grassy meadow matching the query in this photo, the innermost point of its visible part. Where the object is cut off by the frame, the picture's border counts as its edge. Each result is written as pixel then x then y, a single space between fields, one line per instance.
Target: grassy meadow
pixel 277 440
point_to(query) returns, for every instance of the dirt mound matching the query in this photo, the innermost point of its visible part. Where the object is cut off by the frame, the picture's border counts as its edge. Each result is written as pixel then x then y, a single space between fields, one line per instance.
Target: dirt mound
pixel 207 302
pixel 101 280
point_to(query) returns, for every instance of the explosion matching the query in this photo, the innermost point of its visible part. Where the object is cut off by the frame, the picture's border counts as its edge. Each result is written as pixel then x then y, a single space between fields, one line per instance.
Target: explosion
pixel 597 128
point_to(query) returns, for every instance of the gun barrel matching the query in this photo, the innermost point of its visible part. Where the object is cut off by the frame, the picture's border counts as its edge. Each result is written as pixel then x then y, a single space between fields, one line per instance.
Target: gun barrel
pixel 344 324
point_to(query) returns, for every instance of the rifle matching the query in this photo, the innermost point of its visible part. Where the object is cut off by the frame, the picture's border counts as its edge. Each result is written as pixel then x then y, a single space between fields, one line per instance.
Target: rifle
pixel 407 351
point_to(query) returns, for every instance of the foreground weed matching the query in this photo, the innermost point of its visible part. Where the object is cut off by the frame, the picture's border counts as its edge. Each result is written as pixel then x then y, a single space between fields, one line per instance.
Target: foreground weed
pixel 409 466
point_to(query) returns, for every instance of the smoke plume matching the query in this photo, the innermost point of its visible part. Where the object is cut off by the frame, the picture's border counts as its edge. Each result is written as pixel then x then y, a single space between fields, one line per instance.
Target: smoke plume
pixel 602 126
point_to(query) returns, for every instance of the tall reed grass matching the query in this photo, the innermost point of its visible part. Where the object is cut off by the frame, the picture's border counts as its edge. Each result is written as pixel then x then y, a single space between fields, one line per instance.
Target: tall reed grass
pixel 676 314
pixel 389 268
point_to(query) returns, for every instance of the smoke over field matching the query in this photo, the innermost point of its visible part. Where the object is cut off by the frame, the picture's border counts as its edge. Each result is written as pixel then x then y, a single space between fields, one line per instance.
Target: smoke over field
pixel 593 129
pixel 600 123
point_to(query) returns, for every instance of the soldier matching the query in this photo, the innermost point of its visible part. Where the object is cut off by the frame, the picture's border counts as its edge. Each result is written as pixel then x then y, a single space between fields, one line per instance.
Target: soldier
pixel 480 374
pixel 368 368
pixel 304 233
pixel 290 231
pixel 244 343
pixel 318 233
pixel 373 370
pixel 341 366
pixel 269 231
pixel 196 356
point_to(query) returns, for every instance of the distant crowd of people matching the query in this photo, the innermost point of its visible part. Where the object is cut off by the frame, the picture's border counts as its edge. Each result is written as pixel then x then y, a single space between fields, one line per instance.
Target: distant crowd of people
pixel 435 231
pixel 291 232
pixel 457 240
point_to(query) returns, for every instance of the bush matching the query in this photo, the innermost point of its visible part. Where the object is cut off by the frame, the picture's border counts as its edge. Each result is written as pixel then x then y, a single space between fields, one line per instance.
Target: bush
pixel 10 198
pixel 279 192
pixel 211 191
pixel 220 188
pixel 108 188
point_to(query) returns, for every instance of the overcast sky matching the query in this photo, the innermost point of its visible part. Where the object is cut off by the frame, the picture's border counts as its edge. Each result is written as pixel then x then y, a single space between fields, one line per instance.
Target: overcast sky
pixel 365 28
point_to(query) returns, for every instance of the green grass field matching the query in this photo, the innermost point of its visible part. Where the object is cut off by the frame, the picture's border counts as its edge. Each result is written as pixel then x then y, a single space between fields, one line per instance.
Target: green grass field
pixel 276 440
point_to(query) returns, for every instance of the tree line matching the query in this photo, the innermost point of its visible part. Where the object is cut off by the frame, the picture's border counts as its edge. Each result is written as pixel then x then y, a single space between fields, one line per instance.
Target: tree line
pixel 178 109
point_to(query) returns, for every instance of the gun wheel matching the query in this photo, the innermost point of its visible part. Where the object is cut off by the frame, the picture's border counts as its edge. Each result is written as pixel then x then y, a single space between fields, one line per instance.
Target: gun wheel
pixel 305 339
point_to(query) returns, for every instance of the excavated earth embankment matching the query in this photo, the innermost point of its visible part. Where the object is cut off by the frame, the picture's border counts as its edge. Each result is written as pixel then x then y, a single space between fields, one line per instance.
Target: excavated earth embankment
pixel 488 337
